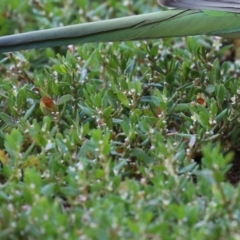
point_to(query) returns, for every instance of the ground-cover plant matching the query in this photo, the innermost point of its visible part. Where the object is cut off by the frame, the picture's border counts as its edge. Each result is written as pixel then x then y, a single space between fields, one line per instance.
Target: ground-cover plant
pixel 139 139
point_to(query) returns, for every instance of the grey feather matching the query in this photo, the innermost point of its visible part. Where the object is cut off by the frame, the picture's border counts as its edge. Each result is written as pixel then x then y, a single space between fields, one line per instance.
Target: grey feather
pixel 222 5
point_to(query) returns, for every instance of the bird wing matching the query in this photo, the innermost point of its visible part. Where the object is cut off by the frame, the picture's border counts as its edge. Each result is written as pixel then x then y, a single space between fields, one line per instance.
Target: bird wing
pixel 172 23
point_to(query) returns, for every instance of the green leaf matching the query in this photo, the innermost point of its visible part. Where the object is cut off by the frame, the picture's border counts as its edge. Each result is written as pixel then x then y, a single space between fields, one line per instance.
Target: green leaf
pixel 123 99
pixel 7 119
pixel 220 93
pixel 29 111
pixel 13 142
pixel 64 99
pixel 87 110
pixel 60 69
pixel 48 189
pixel 107 112
pixel 204 119
pixel 222 115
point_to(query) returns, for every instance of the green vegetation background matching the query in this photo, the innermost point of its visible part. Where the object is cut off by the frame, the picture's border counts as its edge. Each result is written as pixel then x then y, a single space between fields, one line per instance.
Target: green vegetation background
pixel 142 141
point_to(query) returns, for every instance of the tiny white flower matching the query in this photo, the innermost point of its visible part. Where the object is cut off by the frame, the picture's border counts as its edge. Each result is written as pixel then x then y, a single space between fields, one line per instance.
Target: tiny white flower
pixel 217 43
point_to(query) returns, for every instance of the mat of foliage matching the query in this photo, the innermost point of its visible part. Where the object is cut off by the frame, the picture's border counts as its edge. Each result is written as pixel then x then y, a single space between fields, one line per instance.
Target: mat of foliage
pixel 140 139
